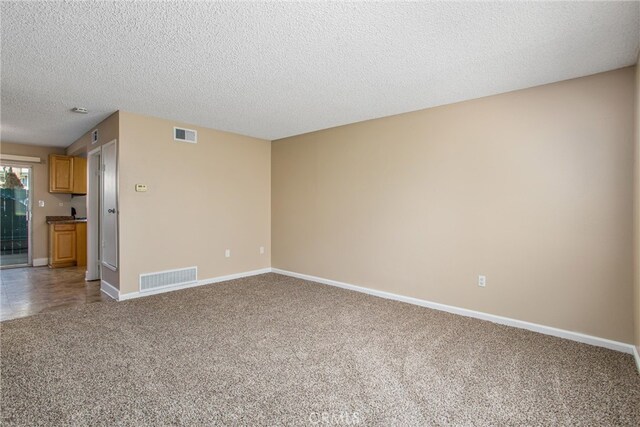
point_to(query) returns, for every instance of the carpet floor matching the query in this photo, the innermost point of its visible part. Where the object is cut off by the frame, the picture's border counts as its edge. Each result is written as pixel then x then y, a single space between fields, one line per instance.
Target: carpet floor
pixel 274 350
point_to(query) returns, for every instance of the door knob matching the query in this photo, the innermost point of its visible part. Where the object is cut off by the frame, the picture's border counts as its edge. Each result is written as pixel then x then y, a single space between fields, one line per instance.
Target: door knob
pixel 111 210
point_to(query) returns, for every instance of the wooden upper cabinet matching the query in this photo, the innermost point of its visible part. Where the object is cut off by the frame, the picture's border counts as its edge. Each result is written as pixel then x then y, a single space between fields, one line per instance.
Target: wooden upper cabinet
pixel 79 175
pixel 67 174
pixel 60 174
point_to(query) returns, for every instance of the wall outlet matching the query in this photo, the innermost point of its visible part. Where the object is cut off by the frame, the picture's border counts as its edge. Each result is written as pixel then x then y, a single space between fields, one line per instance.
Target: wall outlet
pixel 482 281
pixel 261 250
pixel 227 253
pixel 60 204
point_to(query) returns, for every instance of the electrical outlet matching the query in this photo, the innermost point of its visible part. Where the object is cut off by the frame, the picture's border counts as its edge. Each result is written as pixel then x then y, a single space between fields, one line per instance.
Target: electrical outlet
pixel 261 250
pixel 227 253
pixel 60 204
pixel 482 281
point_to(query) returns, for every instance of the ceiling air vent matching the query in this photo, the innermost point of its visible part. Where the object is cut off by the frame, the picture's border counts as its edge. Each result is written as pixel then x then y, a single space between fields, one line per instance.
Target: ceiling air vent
pixel 185 135
pixel 94 136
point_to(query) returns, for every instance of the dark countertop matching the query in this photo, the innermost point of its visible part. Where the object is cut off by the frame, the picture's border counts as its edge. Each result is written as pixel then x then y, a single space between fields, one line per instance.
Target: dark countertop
pixel 64 220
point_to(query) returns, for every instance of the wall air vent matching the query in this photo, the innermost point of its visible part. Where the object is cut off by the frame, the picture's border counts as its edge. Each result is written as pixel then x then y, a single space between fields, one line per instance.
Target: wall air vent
pixel 168 278
pixel 94 136
pixel 185 135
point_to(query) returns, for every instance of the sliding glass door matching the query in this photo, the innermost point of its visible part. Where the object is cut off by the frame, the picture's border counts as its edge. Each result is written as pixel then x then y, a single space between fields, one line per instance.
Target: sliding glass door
pixel 15 215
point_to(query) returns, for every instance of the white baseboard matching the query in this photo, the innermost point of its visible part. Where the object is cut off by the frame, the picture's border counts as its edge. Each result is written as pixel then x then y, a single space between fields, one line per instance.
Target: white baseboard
pixel 547 330
pixel 39 262
pixel 138 294
pixel 110 290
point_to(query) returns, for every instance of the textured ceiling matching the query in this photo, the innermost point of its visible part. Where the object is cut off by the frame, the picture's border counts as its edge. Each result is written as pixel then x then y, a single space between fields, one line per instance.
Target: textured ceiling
pixel 273 70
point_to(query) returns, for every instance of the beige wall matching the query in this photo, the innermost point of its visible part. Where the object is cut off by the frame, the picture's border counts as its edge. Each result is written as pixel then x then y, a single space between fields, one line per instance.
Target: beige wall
pixel 108 130
pixel 80 204
pixel 531 188
pixel 202 199
pixel 637 211
pixel 40 191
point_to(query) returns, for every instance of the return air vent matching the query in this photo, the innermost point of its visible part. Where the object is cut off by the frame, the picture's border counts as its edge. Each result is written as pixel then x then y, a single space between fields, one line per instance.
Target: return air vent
pixel 185 135
pixel 163 279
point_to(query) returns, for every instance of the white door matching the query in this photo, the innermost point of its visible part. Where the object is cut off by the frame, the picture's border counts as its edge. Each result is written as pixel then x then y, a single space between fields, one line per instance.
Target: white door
pixel 94 214
pixel 109 207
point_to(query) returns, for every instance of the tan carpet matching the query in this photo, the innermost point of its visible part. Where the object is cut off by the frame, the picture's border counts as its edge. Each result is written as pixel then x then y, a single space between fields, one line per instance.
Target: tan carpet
pixel 273 350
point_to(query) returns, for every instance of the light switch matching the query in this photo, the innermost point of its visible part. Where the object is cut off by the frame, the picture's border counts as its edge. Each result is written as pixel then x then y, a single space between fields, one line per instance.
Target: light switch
pixel 141 188
pixel 41 203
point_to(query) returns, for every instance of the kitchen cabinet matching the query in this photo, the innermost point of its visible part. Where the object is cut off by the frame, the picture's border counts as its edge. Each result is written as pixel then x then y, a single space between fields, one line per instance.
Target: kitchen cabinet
pixel 60 174
pixel 67 244
pixel 81 244
pixel 62 245
pixel 67 174
pixel 79 175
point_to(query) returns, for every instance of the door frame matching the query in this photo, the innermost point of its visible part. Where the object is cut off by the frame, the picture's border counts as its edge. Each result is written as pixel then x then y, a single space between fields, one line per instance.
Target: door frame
pixel 117 207
pixel 93 214
pixel 29 213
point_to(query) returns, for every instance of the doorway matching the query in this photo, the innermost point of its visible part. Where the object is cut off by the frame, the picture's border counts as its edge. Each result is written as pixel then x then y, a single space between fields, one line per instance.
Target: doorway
pixel 109 207
pixel 15 215
pixel 93 214
pixel 102 211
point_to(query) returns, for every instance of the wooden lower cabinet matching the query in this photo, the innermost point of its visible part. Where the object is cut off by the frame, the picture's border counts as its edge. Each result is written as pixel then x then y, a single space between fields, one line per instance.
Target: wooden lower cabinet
pixel 81 244
pixel 67 245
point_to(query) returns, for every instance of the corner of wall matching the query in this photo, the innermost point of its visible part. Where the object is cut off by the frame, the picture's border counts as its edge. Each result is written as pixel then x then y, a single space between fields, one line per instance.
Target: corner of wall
pixel 636 213
pixel 108 130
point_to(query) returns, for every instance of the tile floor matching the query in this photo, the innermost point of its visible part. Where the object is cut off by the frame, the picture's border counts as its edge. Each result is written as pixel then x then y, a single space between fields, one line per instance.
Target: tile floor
pixel 32 290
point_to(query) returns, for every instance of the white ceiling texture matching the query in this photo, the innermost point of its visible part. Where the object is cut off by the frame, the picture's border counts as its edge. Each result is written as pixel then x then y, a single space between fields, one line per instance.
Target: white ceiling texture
pixel 276 69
